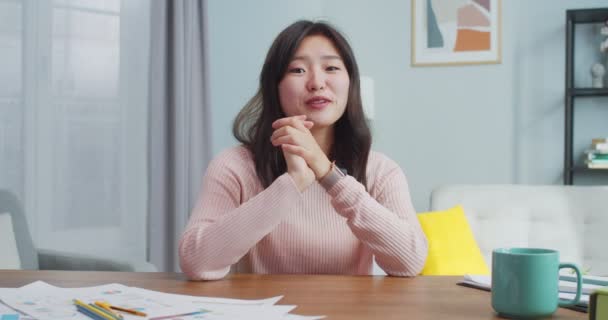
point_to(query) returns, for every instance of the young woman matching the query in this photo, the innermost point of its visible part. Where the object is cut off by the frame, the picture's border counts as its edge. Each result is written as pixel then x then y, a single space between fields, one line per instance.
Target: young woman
pixel 303 194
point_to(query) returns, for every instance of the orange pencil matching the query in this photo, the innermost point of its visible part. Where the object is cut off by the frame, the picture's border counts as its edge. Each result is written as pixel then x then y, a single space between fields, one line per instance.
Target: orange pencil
pixel 131 311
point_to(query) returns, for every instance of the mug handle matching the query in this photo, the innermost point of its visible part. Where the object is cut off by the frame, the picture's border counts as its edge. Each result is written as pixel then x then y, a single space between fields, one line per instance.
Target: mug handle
pixel 579 285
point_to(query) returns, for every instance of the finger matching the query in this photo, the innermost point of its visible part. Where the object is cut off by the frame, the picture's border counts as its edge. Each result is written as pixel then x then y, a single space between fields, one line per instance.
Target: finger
pixel 293 149
pixel 284 140
pixel 308 124
pixel 281 132
pixel 287 121
pixel 283 122
pixel 294 123
pixel 301 126
pixel 277 133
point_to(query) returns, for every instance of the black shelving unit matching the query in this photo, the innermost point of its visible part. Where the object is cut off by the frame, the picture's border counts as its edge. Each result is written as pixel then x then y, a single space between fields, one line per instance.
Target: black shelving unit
pixel 574 17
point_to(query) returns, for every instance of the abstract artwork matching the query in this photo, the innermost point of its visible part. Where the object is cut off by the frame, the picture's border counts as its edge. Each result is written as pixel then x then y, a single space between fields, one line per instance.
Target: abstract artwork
pixel 452 32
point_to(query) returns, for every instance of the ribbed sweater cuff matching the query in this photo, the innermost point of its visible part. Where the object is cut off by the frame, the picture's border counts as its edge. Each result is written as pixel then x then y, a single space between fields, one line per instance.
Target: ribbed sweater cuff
pixel 346 195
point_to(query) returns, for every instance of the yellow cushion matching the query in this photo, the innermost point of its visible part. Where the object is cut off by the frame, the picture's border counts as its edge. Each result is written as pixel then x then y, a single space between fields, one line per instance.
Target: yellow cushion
pixel 452 247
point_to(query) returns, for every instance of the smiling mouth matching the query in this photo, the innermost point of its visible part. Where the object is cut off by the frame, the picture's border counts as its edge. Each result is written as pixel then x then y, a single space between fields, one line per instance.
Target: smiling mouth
pixel 318 103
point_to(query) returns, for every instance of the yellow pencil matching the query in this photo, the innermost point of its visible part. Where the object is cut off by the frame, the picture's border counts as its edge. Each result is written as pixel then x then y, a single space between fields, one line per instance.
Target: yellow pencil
pixel 106 306
pixel 111 314
pixel 93 310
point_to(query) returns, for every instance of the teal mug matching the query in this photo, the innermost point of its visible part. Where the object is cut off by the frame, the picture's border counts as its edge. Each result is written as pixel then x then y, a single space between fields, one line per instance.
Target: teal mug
pixel 525 282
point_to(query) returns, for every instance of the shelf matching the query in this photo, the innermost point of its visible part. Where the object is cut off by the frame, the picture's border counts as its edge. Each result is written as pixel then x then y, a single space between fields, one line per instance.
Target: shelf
pixel 584 169
pixel 574 18
pixel 588 15
pixel 588 92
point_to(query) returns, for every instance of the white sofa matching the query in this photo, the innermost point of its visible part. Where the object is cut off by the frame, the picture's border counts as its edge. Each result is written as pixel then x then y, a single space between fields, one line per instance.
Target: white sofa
pixel 571 219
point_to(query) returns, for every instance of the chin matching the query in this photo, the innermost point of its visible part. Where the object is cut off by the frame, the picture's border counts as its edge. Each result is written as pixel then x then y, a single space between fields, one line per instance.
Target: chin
pixel 324 118
pixel 322 123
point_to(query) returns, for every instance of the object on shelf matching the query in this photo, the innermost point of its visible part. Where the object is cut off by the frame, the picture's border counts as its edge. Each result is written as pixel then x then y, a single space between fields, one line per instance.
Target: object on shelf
pixel 597 156
pixel 597 75
pixel 604 43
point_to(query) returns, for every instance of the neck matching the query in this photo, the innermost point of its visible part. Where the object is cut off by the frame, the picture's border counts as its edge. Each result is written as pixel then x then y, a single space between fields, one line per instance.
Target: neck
pixel 325 138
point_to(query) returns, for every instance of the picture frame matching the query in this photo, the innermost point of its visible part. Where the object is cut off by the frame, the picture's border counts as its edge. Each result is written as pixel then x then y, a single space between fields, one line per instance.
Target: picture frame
pixel 456 32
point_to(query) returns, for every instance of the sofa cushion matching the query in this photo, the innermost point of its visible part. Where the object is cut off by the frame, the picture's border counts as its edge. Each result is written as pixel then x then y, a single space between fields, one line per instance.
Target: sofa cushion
pixel 452 247
pixel 570 219
pixel 9 256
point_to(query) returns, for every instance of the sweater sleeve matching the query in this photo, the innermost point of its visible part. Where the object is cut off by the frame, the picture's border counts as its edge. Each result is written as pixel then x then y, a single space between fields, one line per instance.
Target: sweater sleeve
pixel 387 224
pixel 221 230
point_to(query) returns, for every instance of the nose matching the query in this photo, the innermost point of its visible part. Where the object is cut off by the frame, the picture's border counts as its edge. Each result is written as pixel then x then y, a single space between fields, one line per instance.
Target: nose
pixel 316 80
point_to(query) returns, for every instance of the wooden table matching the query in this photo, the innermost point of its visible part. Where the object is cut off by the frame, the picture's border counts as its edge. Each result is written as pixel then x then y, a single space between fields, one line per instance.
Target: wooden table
pixel 337 297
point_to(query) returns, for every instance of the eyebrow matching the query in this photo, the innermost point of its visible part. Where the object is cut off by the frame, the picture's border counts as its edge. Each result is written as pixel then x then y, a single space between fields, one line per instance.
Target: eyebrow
pixel 325 57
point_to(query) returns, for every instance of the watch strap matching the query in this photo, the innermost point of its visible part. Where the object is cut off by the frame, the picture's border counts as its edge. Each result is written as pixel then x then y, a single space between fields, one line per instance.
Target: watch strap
pixel 332 177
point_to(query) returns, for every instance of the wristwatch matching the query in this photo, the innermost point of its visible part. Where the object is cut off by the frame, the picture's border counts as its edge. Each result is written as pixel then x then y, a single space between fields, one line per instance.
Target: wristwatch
pixel 332 176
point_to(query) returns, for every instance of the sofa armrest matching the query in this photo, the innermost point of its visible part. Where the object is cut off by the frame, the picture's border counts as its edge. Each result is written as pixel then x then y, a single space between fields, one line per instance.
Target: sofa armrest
pixel 60 260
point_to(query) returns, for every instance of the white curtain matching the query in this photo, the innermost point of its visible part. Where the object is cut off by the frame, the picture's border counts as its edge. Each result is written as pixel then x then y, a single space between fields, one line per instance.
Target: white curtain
pixel 73 121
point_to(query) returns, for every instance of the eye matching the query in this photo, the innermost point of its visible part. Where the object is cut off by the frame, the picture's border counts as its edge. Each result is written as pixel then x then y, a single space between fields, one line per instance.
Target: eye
pixel 332 68
pixel 296 70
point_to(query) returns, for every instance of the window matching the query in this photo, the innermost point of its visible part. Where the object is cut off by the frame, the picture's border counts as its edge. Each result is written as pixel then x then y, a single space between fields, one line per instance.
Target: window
pixel 73 121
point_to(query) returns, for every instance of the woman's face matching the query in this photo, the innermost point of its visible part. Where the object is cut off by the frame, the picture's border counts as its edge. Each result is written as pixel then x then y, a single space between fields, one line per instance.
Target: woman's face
pixel 316 83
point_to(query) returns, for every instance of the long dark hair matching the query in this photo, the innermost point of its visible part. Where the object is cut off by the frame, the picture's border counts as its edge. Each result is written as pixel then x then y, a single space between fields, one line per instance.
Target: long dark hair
pixel 253 125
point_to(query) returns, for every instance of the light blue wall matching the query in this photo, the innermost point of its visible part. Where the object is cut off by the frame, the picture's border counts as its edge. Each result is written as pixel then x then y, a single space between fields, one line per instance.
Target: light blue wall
pixel 240 34
pixel 498 123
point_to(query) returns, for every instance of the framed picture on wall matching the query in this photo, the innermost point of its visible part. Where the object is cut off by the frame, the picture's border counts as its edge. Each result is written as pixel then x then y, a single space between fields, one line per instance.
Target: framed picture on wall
pixel 455 32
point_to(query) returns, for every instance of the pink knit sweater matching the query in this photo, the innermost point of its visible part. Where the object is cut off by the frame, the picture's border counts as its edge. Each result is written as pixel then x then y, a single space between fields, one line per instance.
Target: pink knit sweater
pixel 236 222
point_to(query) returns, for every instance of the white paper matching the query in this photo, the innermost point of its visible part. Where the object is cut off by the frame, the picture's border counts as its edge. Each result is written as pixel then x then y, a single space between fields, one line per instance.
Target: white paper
pixel 566 288
pixel 214 300
pixel 590 279
pixel 43 301
pixel 298 317
pixel 40 300
pixel 7 310
pixel 221 308
pixel 584 300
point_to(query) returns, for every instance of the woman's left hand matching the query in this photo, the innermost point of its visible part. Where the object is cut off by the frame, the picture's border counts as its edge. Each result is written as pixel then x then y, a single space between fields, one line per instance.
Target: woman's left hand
pixel 294 135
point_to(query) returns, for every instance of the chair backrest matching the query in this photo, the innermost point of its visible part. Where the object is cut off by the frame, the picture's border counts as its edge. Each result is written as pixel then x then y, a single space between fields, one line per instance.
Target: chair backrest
pixel 27 252
pixel 571 219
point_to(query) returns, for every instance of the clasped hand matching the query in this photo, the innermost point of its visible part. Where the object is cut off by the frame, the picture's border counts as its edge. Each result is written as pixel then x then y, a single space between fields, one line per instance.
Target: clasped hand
pixel 305 159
